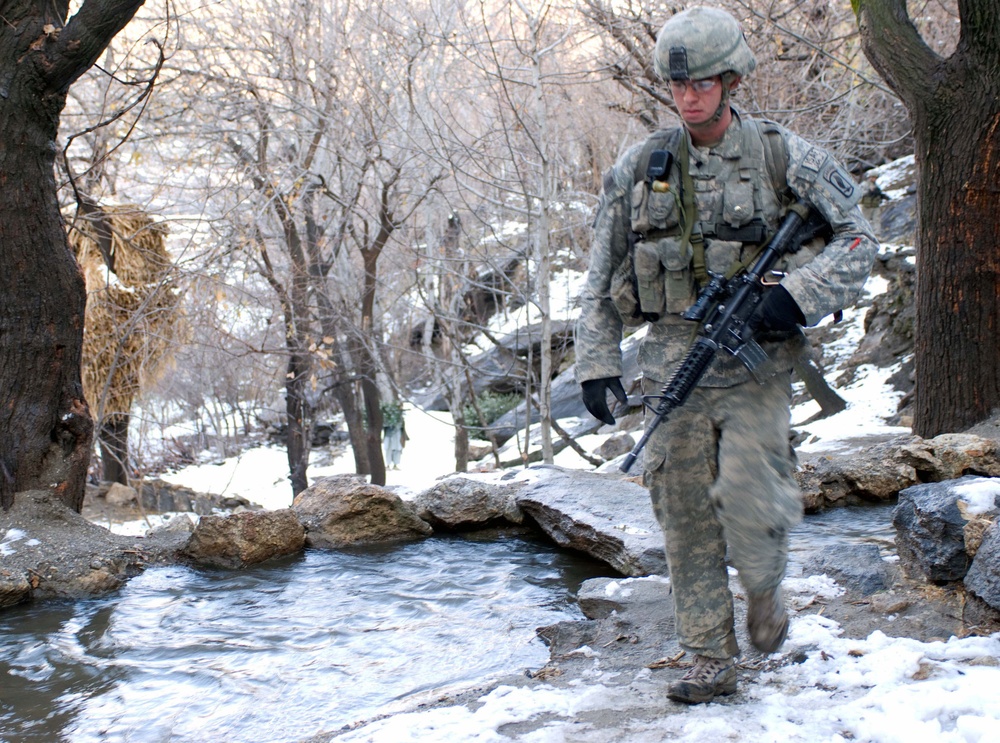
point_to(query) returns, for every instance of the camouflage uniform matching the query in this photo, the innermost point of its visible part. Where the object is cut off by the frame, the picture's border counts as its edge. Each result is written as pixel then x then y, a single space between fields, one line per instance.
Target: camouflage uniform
pixel 720 470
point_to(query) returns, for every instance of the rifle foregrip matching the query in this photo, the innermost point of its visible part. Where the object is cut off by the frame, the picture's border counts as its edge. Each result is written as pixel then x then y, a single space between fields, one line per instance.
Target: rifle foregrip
pixel 688 373
pixel 675 392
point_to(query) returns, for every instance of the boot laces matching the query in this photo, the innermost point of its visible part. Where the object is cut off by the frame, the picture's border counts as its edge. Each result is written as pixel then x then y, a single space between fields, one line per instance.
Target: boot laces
pixel 705 669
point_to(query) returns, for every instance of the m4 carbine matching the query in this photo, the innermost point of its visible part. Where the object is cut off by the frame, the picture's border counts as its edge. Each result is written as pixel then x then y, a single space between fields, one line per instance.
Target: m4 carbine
pixel 724 307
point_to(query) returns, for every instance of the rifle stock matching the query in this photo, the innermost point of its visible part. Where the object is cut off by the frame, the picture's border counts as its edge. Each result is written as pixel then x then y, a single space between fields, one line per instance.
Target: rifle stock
pixel 726 306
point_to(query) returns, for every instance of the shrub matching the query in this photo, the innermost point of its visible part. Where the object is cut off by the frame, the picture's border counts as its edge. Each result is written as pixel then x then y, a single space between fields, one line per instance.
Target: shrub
pixel 493 405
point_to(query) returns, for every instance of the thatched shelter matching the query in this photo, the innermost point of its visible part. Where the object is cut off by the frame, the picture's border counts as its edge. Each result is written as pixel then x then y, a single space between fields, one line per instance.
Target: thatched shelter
pixel 131 319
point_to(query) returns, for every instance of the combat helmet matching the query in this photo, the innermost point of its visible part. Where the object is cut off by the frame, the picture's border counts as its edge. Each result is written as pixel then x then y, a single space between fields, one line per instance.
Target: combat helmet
pixel 702 42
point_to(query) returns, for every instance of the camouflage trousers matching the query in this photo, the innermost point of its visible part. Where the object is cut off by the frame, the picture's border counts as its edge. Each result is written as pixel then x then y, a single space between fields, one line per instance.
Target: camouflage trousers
pixel 720 474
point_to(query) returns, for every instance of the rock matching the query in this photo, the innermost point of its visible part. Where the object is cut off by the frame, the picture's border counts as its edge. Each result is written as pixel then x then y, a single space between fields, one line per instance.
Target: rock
pixel 567 404
pixel 504 367
pixel 97 581
pixel 121 495
pixel 859 567
pixel 599 597
pixel 159 496
pixel 478 451
pixel 615 446
pixel 930 537
pixel 463 503
pixel 896 221
pixel 872 476
pixel 14 589
pixel 973 533
pixel 605 516
pixel 949 456
pixel 50 551
pixel 180 523
pixel 880 471
pixel 888 602
pixel 344 509
pixel 983 578
pixel 247 538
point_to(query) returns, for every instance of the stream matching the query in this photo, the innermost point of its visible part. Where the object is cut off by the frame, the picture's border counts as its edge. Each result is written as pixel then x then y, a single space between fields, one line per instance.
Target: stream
pixel 306 644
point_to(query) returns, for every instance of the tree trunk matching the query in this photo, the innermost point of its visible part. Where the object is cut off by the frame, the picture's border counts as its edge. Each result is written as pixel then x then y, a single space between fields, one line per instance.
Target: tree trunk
pixel 299 417
pixel 457 404
pixel 113 439
pixel 46 428
pixel 957 360
pixel 347 399
pixel 368 368
pixel 955 107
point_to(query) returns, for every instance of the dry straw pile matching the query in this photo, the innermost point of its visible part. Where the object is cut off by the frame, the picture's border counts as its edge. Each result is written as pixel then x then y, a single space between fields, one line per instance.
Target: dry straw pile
pixel 132 315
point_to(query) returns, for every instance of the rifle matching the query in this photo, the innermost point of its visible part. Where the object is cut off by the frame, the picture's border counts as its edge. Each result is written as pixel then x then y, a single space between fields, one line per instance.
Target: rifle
pixel 724 307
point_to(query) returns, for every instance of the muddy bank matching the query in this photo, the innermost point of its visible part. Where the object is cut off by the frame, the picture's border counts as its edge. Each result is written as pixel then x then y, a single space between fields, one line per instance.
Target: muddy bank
pixel 50 551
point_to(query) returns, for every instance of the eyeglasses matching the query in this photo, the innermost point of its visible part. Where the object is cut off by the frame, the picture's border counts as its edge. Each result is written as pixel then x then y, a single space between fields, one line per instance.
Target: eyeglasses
pixel 700 87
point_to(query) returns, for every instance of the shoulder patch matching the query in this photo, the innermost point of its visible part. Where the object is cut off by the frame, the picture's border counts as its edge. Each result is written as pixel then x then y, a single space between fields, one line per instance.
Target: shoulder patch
pixel 814 159
pixel 839 180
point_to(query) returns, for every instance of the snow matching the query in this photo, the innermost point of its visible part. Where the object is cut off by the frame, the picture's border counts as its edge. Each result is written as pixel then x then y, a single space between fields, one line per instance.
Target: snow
pixel 261 474
pixel 979 496
pixel 8 540
pixel 876 689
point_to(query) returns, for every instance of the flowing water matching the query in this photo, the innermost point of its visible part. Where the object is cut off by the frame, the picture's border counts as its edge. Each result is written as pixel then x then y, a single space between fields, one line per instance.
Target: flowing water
pixel 871 524
pixel 310 644
pixel 281 652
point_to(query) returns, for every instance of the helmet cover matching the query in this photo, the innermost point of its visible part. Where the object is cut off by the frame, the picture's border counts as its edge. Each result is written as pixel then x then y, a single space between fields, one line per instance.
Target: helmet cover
pixel 702 42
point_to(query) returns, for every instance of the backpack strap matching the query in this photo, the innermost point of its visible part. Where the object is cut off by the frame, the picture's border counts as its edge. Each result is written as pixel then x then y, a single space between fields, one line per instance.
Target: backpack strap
pixel 661 139
pixel 689 216
pixel 775 157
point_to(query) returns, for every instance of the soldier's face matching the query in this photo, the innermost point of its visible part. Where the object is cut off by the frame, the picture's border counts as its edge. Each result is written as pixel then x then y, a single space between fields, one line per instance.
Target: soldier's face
pixel 697 100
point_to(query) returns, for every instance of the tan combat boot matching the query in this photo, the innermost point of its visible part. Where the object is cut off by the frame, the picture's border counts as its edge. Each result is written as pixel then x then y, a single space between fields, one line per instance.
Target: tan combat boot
pixel 705 680
pixel 767 620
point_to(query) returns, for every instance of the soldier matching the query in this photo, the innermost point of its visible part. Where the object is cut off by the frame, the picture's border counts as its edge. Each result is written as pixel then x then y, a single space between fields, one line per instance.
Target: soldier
pixel 689 202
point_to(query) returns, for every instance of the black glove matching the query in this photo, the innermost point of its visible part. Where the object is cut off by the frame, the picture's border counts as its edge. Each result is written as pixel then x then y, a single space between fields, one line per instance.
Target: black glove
pixel 777 312
pixel 596 399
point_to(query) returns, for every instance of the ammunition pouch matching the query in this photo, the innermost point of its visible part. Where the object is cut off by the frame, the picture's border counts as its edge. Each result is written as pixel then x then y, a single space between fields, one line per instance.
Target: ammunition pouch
pixel 664 278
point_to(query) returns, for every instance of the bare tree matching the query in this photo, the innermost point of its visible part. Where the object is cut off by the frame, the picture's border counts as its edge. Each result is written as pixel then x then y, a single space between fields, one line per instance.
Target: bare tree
pixel 316 136
pixel 954 102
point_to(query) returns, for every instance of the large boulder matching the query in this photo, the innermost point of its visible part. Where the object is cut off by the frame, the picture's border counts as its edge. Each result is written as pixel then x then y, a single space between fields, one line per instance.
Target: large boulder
pixel 983 578
pixel 504 367
pixel 343 510
pixel 605 516
pixel 164 497
pixel 566 400
pixel 880 471
pixel 248 538
pixel 932 522
pixel 462 503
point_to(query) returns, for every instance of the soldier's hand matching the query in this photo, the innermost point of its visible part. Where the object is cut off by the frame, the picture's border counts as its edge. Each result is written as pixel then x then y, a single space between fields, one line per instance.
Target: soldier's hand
pixel 776 312
pixel 596 399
